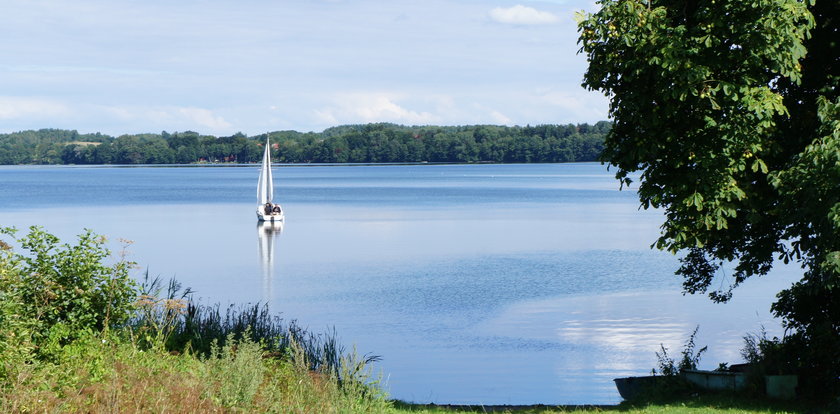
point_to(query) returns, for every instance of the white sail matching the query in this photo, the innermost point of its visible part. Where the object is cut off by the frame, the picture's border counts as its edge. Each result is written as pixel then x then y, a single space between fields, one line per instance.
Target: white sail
pixel 265 185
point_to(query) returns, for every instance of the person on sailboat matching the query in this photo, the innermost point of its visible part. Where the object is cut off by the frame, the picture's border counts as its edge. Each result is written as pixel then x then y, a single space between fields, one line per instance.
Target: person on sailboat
pixel 268 208
pixel 276 209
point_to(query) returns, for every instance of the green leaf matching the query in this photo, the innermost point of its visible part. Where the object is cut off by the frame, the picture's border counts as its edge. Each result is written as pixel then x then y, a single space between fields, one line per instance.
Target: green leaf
pixel 762 165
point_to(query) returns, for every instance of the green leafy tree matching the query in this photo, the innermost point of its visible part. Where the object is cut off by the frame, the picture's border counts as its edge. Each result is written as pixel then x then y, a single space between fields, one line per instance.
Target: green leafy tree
pixel 379 142
pixel 185 155
pixel 729 109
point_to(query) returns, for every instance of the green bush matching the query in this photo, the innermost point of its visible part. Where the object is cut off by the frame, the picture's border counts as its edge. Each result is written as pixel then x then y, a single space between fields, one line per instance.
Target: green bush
pixel 15 329
pixel 57 293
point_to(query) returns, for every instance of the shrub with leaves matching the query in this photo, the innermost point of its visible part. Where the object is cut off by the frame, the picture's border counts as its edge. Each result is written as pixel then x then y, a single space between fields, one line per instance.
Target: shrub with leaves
pixel 57 293
pixel 15 329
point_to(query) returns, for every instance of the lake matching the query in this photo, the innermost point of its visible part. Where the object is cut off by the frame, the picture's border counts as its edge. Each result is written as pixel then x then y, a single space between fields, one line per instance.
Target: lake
pixel 476 284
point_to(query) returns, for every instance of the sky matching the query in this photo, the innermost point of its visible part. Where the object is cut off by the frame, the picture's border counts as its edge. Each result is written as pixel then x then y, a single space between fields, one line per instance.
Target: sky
pixel 252 66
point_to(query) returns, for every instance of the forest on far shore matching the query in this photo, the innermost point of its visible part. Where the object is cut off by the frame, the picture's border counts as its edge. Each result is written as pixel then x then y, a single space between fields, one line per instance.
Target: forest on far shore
pixel 368 143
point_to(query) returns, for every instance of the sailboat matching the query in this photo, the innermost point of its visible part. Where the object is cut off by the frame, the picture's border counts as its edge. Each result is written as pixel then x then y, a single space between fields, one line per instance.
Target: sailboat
pixel 266 209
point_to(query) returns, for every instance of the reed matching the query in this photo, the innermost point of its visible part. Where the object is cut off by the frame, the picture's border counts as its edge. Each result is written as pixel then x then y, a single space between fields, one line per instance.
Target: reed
pixel 199 327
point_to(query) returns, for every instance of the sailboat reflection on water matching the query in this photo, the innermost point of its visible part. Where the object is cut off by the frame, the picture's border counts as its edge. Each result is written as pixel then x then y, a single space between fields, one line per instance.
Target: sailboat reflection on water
pixel 267 231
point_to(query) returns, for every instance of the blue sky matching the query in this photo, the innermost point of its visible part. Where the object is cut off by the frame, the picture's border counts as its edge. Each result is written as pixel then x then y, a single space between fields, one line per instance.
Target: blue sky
pixel 219 67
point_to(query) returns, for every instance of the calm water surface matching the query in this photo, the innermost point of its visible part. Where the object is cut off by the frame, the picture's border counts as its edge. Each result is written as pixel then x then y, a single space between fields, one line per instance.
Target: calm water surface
pixel 477 284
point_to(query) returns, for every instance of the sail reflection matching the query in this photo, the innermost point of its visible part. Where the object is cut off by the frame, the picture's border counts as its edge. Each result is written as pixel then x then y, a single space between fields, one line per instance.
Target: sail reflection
pixel 266 233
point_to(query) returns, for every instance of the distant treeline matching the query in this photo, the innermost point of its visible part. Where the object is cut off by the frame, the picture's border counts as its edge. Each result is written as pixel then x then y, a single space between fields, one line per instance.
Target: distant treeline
pixel 370 143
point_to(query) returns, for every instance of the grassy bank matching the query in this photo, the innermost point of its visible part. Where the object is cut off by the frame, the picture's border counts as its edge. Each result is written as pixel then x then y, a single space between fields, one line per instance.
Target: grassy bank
pixel 111 375
pixel 107 374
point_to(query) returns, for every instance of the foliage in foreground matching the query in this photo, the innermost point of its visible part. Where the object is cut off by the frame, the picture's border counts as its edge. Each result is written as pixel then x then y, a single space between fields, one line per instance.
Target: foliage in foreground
pixel 730 111
pixel 77 335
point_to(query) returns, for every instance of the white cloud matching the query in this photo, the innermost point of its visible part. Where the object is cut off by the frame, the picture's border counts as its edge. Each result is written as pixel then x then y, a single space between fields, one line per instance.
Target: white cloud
pixel 524 15
pixel 371 107
pixel 167 118
pixel 204 117
pixel 580 104
pixel 471 69
pixel 22 107
pixel 500 118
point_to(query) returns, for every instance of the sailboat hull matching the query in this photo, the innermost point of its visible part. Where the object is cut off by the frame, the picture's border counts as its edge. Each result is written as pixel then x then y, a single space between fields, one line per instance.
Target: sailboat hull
pixel 274 217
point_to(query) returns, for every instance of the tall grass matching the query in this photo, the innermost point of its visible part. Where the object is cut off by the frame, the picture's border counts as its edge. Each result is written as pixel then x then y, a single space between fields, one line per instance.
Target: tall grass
pixel 168 316
pixel 236 377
